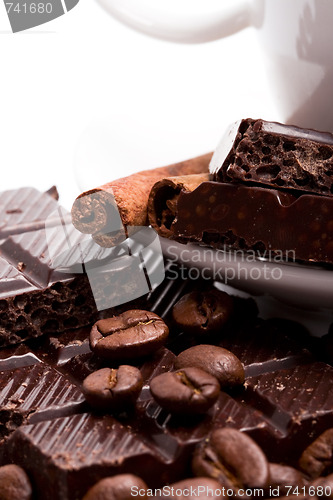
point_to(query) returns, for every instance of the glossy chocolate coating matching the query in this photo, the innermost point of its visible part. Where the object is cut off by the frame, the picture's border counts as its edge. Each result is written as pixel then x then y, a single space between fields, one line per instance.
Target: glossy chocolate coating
pixel 235 216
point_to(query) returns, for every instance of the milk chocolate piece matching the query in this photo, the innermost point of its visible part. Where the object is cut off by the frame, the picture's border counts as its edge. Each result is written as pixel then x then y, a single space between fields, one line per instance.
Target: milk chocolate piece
pixel 266 221
pixel 277 155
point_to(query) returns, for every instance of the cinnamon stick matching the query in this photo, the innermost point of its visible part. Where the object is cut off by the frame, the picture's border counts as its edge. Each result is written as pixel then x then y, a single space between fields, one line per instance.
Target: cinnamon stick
pixel 110 212
pixel 162 203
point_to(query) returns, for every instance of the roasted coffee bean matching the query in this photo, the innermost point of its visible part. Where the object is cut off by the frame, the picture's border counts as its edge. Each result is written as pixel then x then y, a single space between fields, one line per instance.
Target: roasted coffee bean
pixel 217 361
pixel 283 477
pixel 189 390
pixel 323 486
pixel 202 313
pixel 109 388
pixel 14 483
pixel 204 488
pixel 317 459
pixel 118 487
pixel 130 335
pixel 234 459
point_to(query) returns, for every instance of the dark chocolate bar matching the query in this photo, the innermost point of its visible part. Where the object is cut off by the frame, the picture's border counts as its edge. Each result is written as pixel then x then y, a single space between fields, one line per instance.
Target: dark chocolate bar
pixel 266 221
pixel 34 298
pixel 66 447
pixel 276 155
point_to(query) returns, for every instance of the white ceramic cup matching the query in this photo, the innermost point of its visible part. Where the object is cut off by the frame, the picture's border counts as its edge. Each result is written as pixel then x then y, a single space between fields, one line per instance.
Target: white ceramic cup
pixel 295 35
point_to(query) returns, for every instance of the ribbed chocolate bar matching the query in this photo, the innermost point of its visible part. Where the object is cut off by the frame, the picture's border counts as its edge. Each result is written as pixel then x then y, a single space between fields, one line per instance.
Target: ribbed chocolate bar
pixel 34 298
pixel 75 451
pixel 36 392
pixel 277 155
pixel 266 221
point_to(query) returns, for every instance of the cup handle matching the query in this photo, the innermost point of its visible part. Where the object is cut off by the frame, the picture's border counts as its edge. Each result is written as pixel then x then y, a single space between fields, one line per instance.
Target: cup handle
pixel 187 26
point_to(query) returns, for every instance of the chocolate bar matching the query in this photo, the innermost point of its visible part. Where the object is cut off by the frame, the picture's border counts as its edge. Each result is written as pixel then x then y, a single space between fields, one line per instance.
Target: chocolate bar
pixel 65 446
pixel 275 155
pixel 271 192
pixel 34 298
pixel 266 221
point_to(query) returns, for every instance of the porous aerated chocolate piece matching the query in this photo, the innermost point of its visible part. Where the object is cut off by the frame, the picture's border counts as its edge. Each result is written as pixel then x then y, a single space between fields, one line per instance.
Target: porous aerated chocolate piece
pixel 277 155
pixel 235 216
pixel 35 299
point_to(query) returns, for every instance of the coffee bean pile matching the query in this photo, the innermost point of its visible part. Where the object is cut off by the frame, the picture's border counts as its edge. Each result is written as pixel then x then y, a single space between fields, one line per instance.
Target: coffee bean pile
pixel 228 462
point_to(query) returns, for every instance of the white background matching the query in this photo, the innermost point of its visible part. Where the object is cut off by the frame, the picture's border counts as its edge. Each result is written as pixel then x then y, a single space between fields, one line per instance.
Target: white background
pixel 85 100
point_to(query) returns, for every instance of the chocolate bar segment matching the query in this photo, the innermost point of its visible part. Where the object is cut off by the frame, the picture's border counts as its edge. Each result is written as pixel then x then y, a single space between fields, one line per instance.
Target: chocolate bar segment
pixel 35 392
pixel 266 221
pixel 298 402
pixel 34 297
pixel 276 155
pixel 75 452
